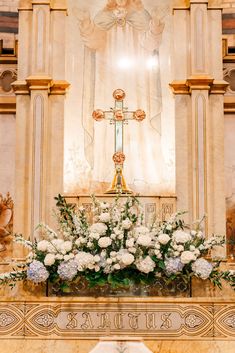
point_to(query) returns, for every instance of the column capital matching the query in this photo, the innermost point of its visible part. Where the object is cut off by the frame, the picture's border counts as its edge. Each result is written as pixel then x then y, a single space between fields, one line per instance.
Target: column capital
pixel 54 87
pixel 56 5
pixel 199 83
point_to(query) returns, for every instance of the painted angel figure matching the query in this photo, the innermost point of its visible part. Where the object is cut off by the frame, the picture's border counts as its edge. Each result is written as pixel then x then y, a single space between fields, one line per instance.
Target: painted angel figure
pixel 121 50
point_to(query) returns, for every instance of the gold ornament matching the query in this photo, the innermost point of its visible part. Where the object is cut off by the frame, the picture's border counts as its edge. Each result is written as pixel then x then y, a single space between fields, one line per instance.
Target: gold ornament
pixel 119 116
pixel 119 94
pixel 139 115
pixel 98 115
pixel 119 158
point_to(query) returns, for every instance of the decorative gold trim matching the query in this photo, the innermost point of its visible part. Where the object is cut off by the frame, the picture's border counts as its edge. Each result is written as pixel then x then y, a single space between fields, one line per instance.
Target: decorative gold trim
pixel 229 104
pixel 59 87
pixel 179 87
pixel 39 82
pixel 7 105
pixel 91 318
pixel 20 87
pixel 199 83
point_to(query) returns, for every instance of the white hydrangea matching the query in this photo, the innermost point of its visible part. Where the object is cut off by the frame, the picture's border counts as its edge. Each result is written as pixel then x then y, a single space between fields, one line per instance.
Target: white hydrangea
pixel 144 240
pixel 49 260
pixel 163 238
pixel 42 245
pixel 145 265
pixel 84 260
pixel 125 258
pixel 104 217
pixel 126 223
pixel 202 268
pixel 179 236
pixel 187 256
pixel 99 228
pixel 104 242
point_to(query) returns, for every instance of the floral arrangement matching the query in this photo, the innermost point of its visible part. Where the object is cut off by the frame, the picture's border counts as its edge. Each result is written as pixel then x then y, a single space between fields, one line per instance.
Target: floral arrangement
pixel 118 249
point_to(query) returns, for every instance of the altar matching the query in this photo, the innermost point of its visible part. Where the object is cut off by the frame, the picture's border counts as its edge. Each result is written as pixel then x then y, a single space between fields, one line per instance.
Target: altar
pixel 118 101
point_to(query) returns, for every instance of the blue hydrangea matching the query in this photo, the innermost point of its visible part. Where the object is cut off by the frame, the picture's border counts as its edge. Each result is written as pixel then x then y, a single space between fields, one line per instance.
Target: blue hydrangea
pixel 37 272
pixel 67 270
pixel 173 265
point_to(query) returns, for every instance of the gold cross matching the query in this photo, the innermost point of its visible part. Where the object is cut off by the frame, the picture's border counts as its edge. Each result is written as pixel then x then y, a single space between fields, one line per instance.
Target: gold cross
pixel 119 115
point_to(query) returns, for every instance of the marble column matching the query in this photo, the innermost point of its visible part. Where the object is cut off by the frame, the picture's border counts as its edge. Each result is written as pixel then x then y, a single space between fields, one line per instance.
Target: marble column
pixel 40 92
pixel 199 90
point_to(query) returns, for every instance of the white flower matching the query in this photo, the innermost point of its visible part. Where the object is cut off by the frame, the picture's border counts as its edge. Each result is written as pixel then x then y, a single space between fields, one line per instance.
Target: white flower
pixel 187 256
pixel 180 248
pixel 94 236
pixel 84 260
pixel 169 227
pixel 202 268
pixel 116 267
pixel 120 236
pixel 113 253
pixel 145 265
pixel 42 245
pixel 49 260
pixel 96 258
pixel 109 261
pixel 132 250
pixel 144 240
pixel 59 256
pixel 179 236
pixel 127 259
pixel 104 217
pixel 141 230
pixel 126 224
pixel 104 242
pixel 157 245
pixel 99 228
pixel 113 236
pixel 104 205
pixel 163 238
pixel 67 246
pixel 130 242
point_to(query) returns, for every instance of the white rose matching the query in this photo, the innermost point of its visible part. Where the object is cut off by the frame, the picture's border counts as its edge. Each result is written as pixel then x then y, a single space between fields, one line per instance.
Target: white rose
pixel 104 217
pixel 109 261
pixel 187 256
pixel 42 245
pixel 180 248
pixel 144 240
pixel 145 265
pixel 127 259
pixel 130 243
pixel 179 236
pixel 67 246
pixel 104 242
pixel 49 259
pixel 163 238
pixel 113 253
pixel 99 228
pixel 126 224
pixel 96 258
pixel 116 267
pixel 141 230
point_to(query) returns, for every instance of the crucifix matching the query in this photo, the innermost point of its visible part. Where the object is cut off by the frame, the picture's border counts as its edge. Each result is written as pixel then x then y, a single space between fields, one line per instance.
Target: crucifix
pixel 118 116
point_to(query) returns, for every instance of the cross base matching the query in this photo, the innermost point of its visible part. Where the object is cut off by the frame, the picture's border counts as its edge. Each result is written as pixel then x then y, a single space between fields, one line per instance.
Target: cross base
pixel 118 185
